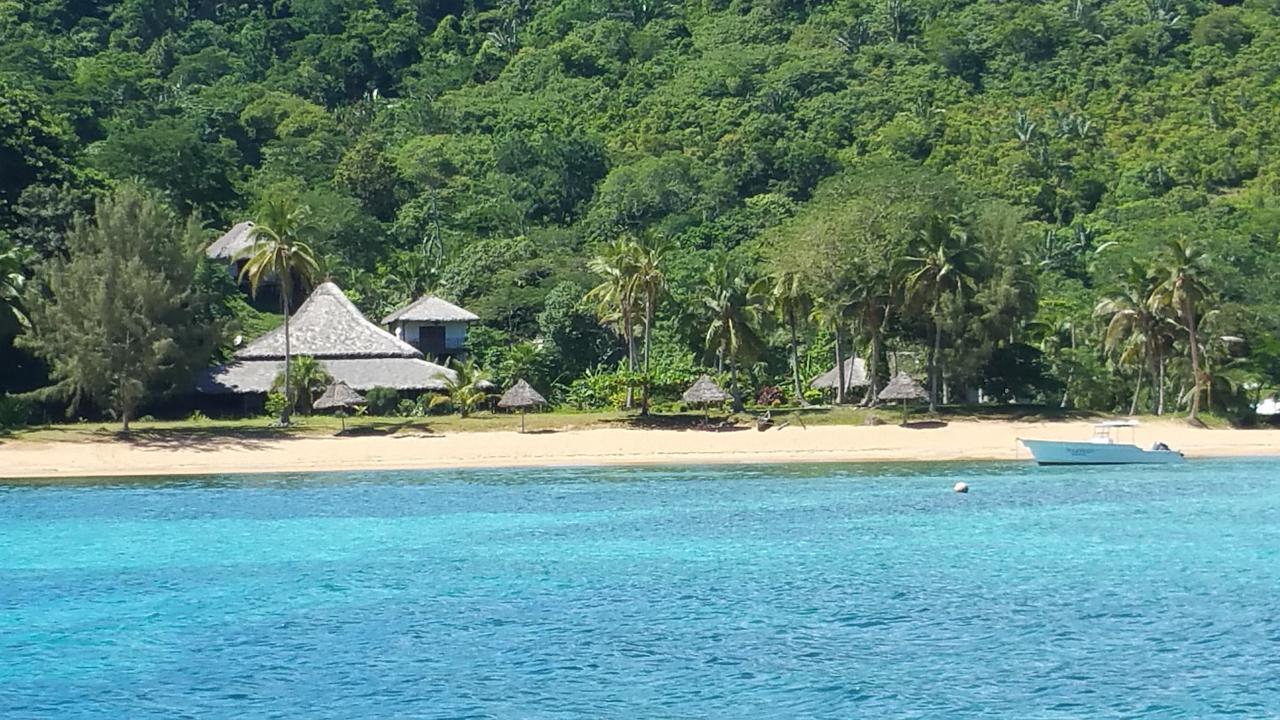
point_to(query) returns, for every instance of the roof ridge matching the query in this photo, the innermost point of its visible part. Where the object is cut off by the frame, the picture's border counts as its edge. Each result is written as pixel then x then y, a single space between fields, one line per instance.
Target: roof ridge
pixel 328 325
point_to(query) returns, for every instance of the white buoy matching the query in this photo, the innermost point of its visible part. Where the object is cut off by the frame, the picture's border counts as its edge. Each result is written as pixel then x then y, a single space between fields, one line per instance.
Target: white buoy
pixel 960 488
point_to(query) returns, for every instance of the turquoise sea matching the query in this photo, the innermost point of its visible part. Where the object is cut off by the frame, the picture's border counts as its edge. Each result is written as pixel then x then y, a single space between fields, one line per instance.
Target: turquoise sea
pixel 695 592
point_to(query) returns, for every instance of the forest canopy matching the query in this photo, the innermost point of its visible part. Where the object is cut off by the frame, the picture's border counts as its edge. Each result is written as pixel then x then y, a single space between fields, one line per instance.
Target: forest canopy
pixel 491 151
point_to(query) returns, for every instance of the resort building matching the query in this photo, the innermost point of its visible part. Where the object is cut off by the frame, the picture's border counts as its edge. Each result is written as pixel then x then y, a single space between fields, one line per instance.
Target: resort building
pixel 233 249
pixel 232 246
pixel 436 327
pixel 855 376
pixel 331 329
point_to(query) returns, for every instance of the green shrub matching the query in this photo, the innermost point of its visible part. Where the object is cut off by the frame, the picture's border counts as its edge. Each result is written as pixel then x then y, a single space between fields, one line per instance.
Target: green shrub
pixel 14 412
pixel 381 400
pixel 275 404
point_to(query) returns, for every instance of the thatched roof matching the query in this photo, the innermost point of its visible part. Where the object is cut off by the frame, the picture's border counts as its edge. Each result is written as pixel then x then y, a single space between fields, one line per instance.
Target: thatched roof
pixel 231 245
pixel 521 395
pixel 430 309
pixel 903 387
pixel 363 374
pixel 327 325
pixel 855 375
pixel 338 395
pixel 704 391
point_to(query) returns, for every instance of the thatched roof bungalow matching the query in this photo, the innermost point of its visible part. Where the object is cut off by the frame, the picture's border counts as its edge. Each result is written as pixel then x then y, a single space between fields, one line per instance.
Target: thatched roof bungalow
pixel 329 328
pixel 435 326
pixel 233 244
pixel 855 376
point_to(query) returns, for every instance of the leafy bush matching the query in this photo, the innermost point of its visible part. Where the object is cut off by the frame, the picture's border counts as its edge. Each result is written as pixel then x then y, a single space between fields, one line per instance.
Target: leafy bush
pixel 275 404
pixel 769 395
pixel 14 412
pixel 381 400
pixel 408 408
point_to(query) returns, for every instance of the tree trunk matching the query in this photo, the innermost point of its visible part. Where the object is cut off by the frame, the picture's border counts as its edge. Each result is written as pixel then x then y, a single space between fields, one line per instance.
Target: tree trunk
pixel 873 371
pixel 933 364
pixel 648 330
pixel 795 357
pixel 1160 406
pixel 1137 390
pixel 124 416
pixel 839 367
pixel 288 387
pixel 631 356
pixel 733 383
pixel 1189 313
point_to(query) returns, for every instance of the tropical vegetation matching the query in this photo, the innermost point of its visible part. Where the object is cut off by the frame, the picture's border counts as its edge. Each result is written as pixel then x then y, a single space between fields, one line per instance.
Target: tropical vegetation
pixel 1071 203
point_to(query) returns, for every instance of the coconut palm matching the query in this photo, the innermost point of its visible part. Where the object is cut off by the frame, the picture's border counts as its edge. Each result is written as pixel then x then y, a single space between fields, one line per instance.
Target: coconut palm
pixel 1136 332
pixel 280 250
pixel 789 298
pixel 831 311
pixel 944 259
pixel 307 379
pixel 616 297
pixel 11 283
pixel 649 281
pixel 735 304
pixel 1181 269
pixel 466 390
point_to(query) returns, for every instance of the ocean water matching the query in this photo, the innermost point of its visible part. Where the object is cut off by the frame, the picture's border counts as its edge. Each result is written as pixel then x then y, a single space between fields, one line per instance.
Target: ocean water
pixel 743 592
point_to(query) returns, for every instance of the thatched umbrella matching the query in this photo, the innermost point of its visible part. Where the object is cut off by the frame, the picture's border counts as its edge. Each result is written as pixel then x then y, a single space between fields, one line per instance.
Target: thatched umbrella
pixel 523 396
pixel 704 392
pixel 903 387
pixel 341 397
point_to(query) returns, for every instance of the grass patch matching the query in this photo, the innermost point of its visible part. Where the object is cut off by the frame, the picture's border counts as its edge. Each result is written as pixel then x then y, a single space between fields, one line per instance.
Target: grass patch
pixel 199 429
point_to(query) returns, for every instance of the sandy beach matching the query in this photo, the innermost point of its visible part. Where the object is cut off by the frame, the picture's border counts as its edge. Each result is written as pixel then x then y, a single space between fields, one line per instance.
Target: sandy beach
pixel 974 440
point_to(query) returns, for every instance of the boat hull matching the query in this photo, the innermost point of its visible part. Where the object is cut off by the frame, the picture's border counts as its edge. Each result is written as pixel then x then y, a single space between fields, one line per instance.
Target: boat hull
pixel 1055 452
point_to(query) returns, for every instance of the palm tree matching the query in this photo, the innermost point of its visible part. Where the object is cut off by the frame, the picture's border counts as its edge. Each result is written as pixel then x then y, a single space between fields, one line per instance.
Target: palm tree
pixel 830 311
pixel 466 390
pixel 280 251
pixel 943 260
pixel 616 295
pixel 306 379
pixel 11 283
pixel 1180 289
pixel 735 305
pixel 789 298
pixel 1136 330
pixel 649 281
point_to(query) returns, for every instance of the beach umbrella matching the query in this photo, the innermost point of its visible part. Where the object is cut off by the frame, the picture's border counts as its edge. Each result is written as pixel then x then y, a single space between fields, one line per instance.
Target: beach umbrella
pixel 903 387
pixel 523 396
pixel 339 396
pixel 704 392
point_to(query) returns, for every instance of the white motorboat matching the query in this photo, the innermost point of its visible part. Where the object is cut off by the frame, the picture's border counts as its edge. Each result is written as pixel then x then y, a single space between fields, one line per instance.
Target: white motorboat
pixel 1104 448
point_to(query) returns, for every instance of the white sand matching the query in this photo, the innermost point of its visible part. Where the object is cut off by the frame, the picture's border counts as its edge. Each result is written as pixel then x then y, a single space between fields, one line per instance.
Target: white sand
pixel 987 440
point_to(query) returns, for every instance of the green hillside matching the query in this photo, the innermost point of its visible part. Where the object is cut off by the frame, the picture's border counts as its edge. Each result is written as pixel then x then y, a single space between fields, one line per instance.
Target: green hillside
pixel 996 179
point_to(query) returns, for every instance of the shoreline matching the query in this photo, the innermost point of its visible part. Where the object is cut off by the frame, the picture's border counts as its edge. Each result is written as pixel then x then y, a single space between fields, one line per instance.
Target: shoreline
pixel 959 441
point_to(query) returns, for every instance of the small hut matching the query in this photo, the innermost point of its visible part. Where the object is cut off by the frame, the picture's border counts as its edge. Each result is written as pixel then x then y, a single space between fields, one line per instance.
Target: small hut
pixel 704 392
pixel 339 396
pixel 523 396
pixel 903 387
pixel 855 376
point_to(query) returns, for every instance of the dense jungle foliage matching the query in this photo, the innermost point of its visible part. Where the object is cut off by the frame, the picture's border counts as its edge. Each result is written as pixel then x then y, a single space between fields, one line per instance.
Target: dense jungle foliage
pixel 1071 202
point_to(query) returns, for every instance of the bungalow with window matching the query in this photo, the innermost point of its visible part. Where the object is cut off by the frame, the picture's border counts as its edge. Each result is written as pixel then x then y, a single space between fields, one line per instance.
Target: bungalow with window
pixel 331 329
pixel 436 327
